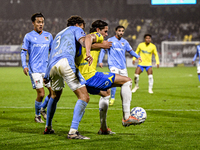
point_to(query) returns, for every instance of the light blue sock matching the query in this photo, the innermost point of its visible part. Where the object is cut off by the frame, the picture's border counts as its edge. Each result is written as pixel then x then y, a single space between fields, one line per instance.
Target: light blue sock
pixel 79 110
pixel 51 108
pixel 199 77
pixel 113 91
pixel 44 104
pixel 37 107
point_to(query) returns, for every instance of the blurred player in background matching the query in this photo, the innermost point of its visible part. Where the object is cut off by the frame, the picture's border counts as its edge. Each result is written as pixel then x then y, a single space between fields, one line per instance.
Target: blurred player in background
pixel 198 65
pixel 116 56
pixel 61 68
pixel 38 44
pixel 146 49
pixel 98 83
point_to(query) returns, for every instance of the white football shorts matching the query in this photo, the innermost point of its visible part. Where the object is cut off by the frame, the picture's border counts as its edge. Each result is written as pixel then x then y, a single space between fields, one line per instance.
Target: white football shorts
pixel 61 72
pixel 198 68
pixel 122 72
pixel 37 80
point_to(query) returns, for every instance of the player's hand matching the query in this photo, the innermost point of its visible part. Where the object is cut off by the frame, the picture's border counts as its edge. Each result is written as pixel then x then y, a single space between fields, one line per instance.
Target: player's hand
pixel 106 44
pixel 101 65
pixel 133 62
pixel 45 80
pixel 89 59
pixel 139 59
pixel 157 65
pixel 26 71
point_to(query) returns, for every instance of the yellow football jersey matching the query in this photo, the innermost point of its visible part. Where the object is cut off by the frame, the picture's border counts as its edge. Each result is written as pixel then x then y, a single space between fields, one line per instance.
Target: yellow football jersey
pixel 146 52
pixel 86 70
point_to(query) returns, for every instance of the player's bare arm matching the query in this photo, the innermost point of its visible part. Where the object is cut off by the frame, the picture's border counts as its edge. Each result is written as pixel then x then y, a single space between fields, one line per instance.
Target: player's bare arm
pixel 104 45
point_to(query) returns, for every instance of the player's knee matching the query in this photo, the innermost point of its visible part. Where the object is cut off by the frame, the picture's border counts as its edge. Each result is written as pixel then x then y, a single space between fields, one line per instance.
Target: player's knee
pixel 85 97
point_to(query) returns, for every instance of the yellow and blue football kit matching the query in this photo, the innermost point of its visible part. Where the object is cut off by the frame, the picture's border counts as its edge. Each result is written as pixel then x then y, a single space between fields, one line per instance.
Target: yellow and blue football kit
pixel 95 81
pixel 146 52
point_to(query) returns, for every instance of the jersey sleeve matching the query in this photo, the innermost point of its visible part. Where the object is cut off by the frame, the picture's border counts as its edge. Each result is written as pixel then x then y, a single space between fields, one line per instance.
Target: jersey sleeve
pixel 101 55
pixel 23 58
pixel 25 43
pixel 51 41
pixel 79 33
pixel 156 55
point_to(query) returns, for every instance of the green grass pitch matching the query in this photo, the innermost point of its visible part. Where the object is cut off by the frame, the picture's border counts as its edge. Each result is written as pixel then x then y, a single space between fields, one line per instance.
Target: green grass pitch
pixel 173 112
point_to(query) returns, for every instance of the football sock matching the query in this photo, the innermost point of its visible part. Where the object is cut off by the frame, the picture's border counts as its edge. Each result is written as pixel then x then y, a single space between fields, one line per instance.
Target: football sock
pixel 199 77
pixel 51 108
pixel 113 91
pixel 136 79
pixel 126 97
pixel 103 108
pixel 79 109
pixel 44 104
pixel 37 107
pixel 150 81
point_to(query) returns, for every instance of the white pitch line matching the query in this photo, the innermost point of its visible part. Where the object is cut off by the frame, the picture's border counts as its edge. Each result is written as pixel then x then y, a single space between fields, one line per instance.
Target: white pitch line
pixel 109 108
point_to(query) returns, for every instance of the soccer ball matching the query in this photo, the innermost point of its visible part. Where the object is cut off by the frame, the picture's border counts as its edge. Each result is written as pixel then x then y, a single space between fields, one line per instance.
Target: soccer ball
pixel 139 113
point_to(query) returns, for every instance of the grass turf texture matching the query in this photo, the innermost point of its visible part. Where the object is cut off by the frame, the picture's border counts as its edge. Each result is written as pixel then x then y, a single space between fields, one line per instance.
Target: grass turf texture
pixel 173 120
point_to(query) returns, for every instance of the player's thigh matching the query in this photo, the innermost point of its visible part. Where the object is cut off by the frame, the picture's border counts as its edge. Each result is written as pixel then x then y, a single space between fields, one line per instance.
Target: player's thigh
pixel 123 72
pixel 37 80
pixel 82 94
pixel 120 80
pixel 139 70
pixel 70 74
pixel 114 70
pixel 149 70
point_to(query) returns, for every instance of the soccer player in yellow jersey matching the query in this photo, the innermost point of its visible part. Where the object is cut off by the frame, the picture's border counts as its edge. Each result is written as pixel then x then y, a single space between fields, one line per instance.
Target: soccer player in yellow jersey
pixel 98 83
pixel 146 49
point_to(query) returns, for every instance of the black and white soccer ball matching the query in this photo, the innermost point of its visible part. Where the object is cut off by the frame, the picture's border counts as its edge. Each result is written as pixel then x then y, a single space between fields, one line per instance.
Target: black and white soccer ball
pixel 139 113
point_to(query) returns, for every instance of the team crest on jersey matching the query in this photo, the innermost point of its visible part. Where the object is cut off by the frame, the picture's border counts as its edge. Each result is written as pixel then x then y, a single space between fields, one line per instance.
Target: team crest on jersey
pixel 83 33
pixel 98 34
pixel 122 44
pixel 46 38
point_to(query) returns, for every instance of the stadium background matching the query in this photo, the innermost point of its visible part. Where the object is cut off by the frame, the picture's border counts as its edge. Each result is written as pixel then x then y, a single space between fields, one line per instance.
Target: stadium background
pixel 165 23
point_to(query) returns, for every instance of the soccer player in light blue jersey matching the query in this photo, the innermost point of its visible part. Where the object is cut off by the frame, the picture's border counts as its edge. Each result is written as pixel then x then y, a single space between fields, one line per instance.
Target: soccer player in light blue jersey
pixel 198 65
pixel 61 67
pixel 116 56
pixel 37 44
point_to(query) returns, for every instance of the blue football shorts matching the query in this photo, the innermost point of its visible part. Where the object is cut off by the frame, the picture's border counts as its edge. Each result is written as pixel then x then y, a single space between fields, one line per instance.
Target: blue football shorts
pixel 146 67
pixel 100 81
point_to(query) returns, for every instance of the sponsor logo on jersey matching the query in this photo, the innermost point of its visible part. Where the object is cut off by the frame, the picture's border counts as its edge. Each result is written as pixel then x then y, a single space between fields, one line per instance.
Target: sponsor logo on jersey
pixel 106 83
pixel 98 34
pixel 146 52
pixel 46 38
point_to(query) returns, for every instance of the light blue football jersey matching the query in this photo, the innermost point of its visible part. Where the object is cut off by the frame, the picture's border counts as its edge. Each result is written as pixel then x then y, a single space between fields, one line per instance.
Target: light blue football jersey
pixel 116 53
pixel 197 54
pixel 38 47
pixel 64 46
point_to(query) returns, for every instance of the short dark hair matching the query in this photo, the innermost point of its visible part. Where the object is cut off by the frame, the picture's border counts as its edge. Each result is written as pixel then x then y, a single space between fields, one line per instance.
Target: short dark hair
pixel 73 20
pixel 119 27
pixel 33 17
pixel 98 24
pixel 147 35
